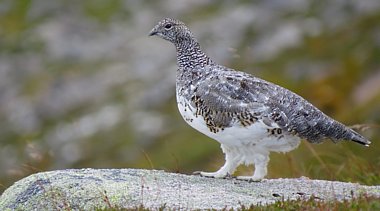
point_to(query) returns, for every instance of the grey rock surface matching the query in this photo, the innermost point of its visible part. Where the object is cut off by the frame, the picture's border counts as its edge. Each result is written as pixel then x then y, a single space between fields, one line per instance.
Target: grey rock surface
pixel 88 189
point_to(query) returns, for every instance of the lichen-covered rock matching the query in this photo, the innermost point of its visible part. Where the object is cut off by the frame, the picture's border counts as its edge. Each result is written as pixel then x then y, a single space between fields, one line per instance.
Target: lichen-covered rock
pixel 87 189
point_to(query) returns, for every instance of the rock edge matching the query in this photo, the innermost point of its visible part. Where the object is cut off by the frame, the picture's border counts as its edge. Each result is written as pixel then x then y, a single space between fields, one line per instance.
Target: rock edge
pixel 88 189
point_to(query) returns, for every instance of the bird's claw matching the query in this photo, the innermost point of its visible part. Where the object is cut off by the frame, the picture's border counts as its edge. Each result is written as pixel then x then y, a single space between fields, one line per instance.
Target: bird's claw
pixel 213 175
pixel 202 174
pixel 249 179
pixel 228 176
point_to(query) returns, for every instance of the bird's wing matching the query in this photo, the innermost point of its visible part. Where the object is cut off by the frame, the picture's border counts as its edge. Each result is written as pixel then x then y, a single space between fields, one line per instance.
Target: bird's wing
pixel 228 99
pixel 239 97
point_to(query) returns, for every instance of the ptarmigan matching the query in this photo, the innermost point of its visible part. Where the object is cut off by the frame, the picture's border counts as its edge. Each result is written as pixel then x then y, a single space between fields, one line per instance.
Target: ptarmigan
pixel 248 116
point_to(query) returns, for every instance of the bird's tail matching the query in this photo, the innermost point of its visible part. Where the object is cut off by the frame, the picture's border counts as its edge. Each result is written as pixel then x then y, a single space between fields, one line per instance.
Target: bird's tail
pixel 356 137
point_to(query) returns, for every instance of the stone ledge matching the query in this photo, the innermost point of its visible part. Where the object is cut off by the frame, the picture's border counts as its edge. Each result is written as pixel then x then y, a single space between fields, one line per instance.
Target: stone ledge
pixel 87 189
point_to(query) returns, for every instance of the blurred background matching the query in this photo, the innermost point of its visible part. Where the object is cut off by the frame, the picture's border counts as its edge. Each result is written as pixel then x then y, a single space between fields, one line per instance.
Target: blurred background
pixel 83 86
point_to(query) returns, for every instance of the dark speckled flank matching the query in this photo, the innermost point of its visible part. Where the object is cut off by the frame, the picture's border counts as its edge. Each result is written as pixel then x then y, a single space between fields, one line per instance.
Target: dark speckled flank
pixel 225 97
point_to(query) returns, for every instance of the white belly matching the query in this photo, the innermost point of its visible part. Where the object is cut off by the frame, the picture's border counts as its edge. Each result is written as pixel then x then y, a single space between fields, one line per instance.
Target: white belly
pixel 252 136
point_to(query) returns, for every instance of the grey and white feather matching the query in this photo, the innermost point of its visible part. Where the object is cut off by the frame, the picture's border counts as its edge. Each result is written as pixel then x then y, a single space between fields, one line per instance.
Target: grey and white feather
pixel 248 116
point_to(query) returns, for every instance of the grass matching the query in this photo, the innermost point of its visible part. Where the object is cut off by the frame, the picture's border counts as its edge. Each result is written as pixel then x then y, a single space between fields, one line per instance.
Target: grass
pixel 361 203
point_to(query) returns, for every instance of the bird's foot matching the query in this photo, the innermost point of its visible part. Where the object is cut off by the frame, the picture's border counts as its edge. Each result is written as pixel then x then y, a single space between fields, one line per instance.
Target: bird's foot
pixel 213 174
pixel 250 178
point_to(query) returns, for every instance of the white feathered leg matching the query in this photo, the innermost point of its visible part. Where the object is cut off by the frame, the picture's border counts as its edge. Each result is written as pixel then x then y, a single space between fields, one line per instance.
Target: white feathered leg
pixel 229 167
pixel 261 163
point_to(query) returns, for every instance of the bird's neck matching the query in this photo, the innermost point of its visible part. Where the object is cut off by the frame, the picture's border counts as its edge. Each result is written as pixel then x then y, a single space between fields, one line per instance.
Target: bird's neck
pixel 190 54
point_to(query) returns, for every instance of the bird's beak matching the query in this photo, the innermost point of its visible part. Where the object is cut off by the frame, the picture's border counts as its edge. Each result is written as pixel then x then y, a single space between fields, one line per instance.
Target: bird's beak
pixel 153 32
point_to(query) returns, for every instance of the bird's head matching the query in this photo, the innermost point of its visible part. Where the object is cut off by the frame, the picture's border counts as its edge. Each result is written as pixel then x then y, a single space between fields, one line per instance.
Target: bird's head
pixel 172 30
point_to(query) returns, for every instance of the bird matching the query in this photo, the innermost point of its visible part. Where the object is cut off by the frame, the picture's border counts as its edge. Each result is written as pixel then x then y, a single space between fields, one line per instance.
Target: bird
pixel 249 117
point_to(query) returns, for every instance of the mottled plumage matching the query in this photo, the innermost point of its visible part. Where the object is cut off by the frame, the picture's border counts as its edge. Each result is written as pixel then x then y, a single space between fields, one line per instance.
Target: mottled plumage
pixel 249 116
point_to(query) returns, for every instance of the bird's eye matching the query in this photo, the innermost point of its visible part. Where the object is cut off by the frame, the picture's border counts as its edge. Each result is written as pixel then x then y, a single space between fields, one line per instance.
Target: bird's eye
pixel 168 26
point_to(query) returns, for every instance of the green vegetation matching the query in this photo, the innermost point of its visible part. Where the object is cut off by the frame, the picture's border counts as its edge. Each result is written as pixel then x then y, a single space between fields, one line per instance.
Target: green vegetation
pixel 360 203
